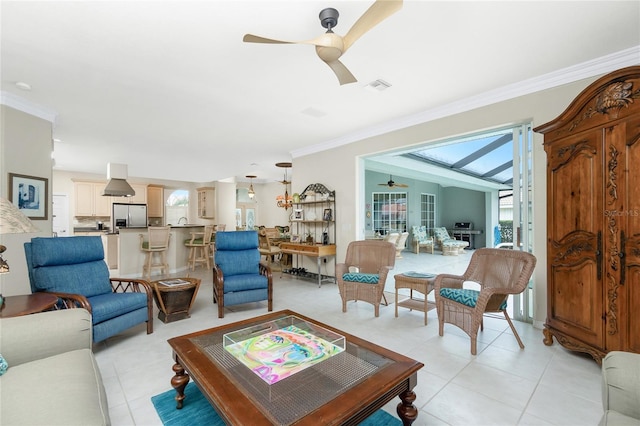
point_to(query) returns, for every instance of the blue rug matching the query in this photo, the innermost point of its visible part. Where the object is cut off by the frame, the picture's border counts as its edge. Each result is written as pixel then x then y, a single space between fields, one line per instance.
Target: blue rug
pixel 197 411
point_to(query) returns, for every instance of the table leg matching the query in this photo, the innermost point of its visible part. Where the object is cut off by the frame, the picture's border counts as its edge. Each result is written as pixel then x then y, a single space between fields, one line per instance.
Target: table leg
pixel 407 412
pixel 319 274
pixel 179 382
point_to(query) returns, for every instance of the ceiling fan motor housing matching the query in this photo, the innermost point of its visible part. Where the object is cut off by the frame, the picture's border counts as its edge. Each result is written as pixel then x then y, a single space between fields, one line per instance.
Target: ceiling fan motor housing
pixel 329 18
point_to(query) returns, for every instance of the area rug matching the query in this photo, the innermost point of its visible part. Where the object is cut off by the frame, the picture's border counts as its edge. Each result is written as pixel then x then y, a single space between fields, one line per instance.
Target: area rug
pixel 197 411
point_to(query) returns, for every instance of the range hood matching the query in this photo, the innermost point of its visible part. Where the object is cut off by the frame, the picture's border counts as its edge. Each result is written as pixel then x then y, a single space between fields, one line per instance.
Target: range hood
pixel 117 185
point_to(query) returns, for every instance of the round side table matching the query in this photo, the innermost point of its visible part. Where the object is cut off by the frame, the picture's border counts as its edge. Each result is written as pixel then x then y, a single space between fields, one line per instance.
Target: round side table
pixel 15 306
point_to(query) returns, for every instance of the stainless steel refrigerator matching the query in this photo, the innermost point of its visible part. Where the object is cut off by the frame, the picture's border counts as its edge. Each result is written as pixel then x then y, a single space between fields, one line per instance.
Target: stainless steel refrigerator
pixel 129 216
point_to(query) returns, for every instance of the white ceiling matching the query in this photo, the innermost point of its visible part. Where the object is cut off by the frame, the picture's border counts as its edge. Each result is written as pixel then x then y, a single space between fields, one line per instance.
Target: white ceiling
pixel 170 89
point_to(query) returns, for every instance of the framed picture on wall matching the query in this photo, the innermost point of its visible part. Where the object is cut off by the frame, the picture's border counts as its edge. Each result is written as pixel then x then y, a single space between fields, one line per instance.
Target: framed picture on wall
pixel 298 214
pixel 30 194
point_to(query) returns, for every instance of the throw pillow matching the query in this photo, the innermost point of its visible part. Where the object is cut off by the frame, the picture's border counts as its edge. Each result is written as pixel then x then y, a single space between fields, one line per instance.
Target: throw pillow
pixel 4 366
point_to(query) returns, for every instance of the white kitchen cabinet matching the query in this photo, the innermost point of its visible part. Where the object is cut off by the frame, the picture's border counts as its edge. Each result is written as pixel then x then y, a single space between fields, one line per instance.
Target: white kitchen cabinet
pixel 155 201
pixel 207 203
pixel 89 200
pixel 141 194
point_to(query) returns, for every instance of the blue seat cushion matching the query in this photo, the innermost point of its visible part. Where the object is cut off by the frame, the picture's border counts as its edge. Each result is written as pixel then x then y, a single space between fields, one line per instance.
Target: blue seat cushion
pixel 465 296
pixel 244 282
pixel 361 278
pixel 107 306
pixel 68 265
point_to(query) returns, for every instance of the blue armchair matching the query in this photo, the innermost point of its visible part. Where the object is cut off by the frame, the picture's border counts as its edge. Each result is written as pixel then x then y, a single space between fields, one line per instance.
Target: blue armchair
pixel 73 268
pixel 238 275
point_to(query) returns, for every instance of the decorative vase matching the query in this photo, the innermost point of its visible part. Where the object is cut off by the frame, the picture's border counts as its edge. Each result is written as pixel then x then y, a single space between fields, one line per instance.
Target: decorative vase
pixel 295 197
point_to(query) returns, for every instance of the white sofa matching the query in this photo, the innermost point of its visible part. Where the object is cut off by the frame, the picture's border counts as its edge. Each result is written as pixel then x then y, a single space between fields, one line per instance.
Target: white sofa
pixel 53 378
pixel 621 389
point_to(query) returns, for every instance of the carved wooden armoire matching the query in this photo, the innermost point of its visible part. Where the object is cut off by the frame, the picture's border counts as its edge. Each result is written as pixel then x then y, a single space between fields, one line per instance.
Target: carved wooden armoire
pixel 593 218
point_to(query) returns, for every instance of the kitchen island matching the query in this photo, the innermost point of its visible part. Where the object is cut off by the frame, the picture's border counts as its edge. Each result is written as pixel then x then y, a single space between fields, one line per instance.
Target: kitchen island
pixel 131 258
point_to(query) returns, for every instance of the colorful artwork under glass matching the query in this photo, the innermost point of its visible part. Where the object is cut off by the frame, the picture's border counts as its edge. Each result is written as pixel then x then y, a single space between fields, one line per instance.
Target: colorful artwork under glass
pixel 278 354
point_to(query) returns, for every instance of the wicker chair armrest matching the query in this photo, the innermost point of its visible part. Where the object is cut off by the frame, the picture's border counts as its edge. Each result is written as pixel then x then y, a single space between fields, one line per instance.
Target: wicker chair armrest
pixel 130 285
pixel 218 276
pixel 448 281
pixel 383 272
pixel 266 271
pixel 71 301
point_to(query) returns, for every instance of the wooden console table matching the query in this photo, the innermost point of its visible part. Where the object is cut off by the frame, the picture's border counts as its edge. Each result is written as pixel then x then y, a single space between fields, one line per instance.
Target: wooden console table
pixel 319 251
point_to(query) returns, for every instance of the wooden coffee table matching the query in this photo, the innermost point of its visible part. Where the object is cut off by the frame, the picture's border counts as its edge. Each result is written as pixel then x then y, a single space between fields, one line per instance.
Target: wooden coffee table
pixel 344 389
pixel 174 302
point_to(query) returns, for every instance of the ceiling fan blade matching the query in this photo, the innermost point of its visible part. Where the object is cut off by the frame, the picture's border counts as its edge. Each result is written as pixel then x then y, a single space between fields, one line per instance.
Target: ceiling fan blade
pixel 250 38
pixel 378 12
pixel 343 74
pixel 401 185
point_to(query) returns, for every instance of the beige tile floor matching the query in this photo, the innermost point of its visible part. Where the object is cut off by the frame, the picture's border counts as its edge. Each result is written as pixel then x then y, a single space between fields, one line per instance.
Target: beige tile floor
pixel 502 385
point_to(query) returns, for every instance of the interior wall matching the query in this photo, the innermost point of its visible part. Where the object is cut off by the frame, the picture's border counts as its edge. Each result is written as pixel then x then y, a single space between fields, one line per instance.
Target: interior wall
pixel 26 150
pixel 347 170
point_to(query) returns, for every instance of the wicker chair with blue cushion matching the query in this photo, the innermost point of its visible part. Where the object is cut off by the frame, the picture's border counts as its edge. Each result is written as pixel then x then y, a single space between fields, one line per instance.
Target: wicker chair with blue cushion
pixel 419 239
pixel 449 246
pixel 370 262
pixel 73 268
pixel 238 275
pixel 499 273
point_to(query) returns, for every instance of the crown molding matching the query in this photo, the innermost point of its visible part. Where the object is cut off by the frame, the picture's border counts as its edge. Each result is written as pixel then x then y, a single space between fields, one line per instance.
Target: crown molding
pixel 21 104
pixel 595 67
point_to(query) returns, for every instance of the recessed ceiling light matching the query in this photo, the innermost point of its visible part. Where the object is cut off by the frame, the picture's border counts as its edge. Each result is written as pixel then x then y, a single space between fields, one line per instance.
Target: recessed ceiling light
pixel 23 86
pixel 313 112
pixel 57 140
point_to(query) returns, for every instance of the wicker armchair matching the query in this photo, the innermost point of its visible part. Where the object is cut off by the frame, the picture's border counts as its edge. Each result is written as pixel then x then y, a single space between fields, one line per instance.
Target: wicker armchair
pixel 401 243
pixel 499 273
pixel 370 262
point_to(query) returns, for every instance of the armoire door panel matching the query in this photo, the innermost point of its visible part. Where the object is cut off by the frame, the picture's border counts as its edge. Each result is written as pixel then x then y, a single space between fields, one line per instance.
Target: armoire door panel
pixel 573 163
pixel 631 248
pixel 572 294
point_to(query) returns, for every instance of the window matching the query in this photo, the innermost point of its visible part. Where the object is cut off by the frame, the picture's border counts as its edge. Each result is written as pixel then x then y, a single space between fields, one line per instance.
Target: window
pixel 389 212
pixel 177 207
pixel 428 212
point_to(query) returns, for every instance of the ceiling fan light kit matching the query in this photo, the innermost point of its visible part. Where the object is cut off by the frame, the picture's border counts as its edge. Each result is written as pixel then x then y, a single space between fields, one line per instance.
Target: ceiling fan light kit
pixel 330 46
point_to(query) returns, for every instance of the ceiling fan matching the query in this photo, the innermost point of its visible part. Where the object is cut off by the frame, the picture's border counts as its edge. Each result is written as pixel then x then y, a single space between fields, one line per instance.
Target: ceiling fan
pixel 330 46
pixel 392 184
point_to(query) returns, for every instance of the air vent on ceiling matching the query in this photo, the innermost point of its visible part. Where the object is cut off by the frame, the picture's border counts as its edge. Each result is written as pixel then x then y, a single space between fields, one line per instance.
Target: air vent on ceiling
pixel 378 85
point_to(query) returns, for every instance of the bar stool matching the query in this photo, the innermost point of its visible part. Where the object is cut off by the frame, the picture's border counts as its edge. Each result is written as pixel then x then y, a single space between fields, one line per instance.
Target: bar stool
pixel 198 245
pixel 155 246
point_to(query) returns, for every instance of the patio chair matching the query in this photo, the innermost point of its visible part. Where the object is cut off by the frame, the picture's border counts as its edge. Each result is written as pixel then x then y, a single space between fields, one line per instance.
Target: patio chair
pixel 499 273
pixel 449 246
pixel 401 243
pixel 419 239
pixel 370 262
pixel 238 275
pixel 392 237
pixel 74 270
